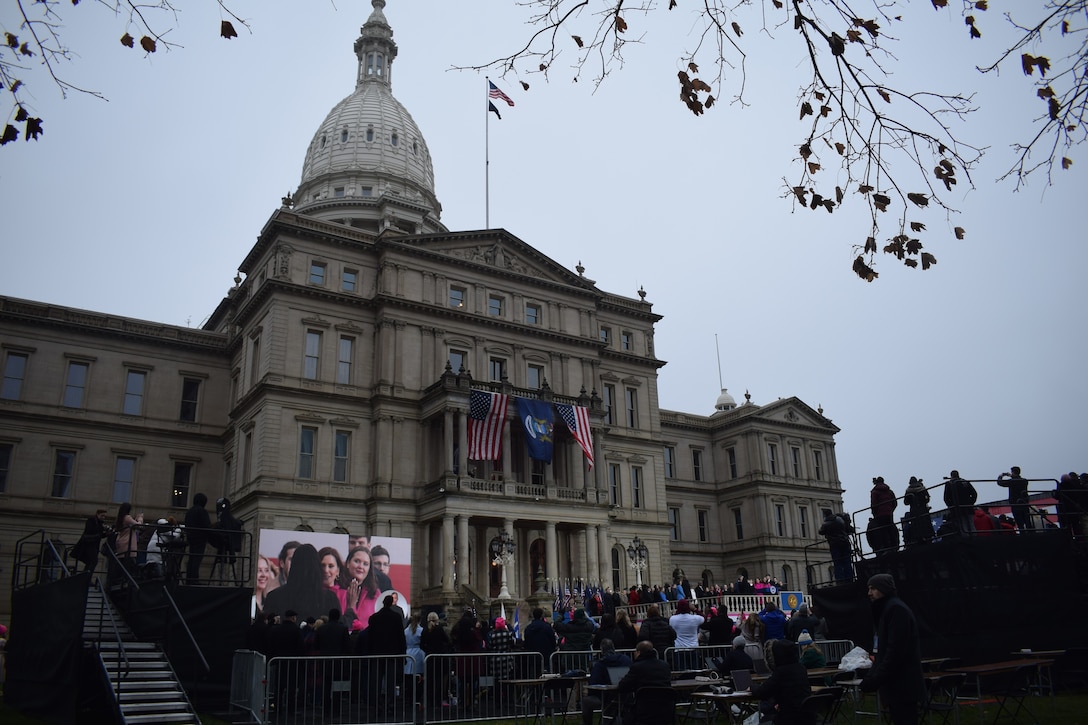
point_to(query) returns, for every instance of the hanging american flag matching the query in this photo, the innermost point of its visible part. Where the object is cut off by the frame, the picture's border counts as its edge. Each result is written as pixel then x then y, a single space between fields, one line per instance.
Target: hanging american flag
pixel 577 419
pixel 486 418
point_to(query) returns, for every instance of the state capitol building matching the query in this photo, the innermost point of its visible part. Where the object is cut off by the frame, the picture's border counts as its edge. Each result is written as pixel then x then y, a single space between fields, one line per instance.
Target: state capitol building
pixel 329 392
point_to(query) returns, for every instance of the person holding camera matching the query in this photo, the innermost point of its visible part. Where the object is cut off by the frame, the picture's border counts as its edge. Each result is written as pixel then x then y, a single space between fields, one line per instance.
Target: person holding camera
pixel 1018 497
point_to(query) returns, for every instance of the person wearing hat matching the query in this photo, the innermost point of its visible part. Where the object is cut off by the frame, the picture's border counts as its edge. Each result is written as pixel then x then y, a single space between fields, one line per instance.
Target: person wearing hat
pixel 897 653
pixel 577 634
pixel 802 620
pixel 736 658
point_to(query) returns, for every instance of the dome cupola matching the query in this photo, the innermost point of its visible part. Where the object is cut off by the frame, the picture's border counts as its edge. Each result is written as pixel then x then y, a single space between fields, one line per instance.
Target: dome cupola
pixel 368 165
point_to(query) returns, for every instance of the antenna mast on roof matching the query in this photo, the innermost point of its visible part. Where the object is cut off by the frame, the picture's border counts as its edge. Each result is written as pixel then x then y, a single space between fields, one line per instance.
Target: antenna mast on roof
pixel 718 350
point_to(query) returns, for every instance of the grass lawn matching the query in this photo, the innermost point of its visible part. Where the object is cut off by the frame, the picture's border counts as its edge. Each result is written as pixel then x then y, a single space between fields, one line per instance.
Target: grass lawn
pixel 1069 708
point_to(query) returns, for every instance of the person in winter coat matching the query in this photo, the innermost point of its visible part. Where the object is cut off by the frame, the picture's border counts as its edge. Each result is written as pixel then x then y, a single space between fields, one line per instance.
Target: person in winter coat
pixel 800 621
pixel 656 630
pixel 882 534
pixel 540 637
pixel 897 653
pixel 787 687
pixel 774 621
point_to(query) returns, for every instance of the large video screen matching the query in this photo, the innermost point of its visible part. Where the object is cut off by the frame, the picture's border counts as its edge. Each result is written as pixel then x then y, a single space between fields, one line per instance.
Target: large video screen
pixel 310 573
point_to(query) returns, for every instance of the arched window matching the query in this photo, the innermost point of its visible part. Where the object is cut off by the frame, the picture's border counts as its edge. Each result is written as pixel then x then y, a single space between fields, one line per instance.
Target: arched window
pixel 323 140
pixel 344 136
pixel 370 135
pixel 393 139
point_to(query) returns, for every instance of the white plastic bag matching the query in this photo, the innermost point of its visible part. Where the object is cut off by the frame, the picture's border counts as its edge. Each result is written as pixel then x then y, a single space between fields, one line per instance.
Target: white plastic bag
pixel 855 659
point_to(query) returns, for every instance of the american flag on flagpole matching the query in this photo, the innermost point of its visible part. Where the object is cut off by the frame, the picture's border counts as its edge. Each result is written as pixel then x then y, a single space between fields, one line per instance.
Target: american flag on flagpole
pixel 577 419
pixel 558 604
pixel 493 91
pixel 486 418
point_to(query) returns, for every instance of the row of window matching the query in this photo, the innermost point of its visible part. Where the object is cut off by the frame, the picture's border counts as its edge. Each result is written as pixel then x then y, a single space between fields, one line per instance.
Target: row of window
pixel 630 405
pixel 497 305
pixel 795 462
pixel 319 273
pixel 125 473
pixel 77 380
pixel 615 487
pixel 308 463
pixel 626 339
pixel 703 516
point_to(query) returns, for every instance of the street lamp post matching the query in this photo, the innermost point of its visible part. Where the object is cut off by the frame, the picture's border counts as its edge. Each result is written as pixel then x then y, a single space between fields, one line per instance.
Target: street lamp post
pixel 637 553
pixel 502 553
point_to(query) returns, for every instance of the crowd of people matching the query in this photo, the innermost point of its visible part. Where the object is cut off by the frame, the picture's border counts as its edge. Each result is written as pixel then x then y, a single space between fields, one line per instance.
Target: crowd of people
pixel 150 550
pixel 962 515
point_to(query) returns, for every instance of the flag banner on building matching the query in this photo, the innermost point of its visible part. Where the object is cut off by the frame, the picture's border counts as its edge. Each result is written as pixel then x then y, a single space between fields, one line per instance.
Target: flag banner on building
pixel 486 417
pixel 538 421
pixel 493 91
pixel 577 419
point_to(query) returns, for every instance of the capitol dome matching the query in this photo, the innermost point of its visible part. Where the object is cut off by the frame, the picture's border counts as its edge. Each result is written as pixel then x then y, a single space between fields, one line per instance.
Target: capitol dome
pixel 368 165
pixel 725 401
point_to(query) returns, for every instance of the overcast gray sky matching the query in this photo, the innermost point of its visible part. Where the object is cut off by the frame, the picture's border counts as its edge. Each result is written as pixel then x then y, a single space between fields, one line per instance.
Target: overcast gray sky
pixel 144 206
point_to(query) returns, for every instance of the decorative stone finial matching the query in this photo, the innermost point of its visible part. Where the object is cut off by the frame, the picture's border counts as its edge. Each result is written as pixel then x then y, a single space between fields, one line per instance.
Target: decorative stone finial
pixel 642 293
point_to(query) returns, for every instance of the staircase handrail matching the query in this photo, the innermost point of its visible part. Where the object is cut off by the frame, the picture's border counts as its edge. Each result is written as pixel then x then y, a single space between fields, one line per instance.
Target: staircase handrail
pixel 117 565
pixel 122 655
pixel 26 564
pixel 188 632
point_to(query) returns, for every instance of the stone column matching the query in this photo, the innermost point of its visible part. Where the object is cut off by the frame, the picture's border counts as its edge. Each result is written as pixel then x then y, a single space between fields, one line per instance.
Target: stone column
pixel 551 551
pixel 382 448
pixel 507 453
pixel 604 550
pixel 512 567
pixel 449 463
pixel 446 556
pixel 462 550
pixel 592 563
pixel 462 443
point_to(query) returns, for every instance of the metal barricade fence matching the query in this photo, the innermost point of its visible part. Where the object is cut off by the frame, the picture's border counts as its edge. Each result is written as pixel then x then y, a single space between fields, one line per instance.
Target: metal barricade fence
pixel 834 649
pixel 695 658
pixel 483 686
pixel 318 690
pixel 247 683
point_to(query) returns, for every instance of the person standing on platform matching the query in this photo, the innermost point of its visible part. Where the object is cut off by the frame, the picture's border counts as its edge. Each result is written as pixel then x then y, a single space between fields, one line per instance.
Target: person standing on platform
pixel 197 523
pixel 960 497
pixel 1018 497
pixel 90 542
pixel 897 653
pixel 837 533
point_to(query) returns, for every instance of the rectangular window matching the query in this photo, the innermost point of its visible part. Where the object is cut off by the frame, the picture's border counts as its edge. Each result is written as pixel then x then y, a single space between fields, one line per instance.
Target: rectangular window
pixel 636 487
pixel 625 340
pixel 795 461
pixel 772 458
pixel 609 404
pixel 780 519
pixel 367 191
pixel 613 484
pixel 670 462
pixel 341 449
pixel 135 383
pixel 344 355
pixel 124 473
pixel 536 472
pixel 255 360
pixel 312 357
pixel 674 524
pixel 496 369
pixel 457 360
pixel 731 456
pixel 190 396
pixel 183 479
pixel 802 519
pixel 606 335
pixel 317 273
pixel 697 465
pixel 535 377
pixel 704 528
pixel 630 396
pixel 14 374
pixel 247 457
pixel 338 192
pixel 495 305
pixel 306 446
pixel 457 297
pixel 75 384
pixel 349 282
pixel 64 470
pixel 532 314
pixel 818 465
pixel 738 524
pixel 6 452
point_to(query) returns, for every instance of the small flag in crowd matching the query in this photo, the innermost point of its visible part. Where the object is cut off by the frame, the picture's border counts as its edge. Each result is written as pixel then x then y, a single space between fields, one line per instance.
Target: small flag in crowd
pixel 577 419
pixel 486 418
pixel 517 625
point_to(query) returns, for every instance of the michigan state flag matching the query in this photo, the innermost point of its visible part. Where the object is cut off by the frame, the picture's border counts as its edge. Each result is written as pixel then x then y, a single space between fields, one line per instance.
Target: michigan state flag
pixel 537 419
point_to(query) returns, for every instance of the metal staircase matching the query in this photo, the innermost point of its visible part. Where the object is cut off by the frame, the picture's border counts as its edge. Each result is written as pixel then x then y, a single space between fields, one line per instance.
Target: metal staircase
pixel 141 677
